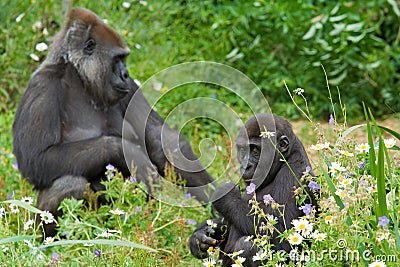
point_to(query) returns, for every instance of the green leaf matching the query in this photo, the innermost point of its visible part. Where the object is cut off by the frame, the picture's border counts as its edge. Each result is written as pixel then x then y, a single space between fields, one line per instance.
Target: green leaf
pixel 311 32
pixel 23 205
pixel 17 238
pixel 356 39
pixel 395 7
pixel 338 18
pixel 395 134
pixel 338 28
pixel 371 153
pixel 380 172
pixel 339 79
pixel 355 27
pixel 331 186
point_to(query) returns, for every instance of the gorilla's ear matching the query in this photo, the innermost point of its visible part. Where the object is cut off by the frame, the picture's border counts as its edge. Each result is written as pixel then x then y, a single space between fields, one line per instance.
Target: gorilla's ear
pixel 283 144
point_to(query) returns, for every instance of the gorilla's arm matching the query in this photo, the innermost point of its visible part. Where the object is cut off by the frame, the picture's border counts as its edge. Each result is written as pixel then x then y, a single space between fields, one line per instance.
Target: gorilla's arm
pixel 42 155
pixel 235 209
pixel 160 140
pixel 206 236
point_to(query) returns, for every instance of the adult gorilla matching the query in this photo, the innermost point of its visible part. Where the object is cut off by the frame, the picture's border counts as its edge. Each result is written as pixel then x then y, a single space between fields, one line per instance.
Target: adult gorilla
pixel 68 125
pixel 262 164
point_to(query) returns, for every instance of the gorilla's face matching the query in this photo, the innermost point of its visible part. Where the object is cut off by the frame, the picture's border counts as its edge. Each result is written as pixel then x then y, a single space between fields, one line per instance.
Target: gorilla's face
pixel 248 156
pixel 260 157
pixel 99 55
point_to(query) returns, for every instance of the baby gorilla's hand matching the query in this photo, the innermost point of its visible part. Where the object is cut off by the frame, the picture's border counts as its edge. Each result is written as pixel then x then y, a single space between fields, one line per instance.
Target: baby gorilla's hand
pixel 203 238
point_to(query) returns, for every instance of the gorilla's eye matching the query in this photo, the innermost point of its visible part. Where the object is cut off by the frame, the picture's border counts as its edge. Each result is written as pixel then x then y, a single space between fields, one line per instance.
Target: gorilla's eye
pixel 90 45
pixel 254 149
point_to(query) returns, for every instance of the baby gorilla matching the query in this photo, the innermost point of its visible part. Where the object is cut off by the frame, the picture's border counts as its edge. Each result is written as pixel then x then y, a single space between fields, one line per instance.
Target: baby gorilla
pixel 261 164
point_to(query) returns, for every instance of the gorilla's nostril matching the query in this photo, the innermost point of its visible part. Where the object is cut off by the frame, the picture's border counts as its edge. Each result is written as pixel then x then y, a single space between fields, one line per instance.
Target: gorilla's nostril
pixel 124 75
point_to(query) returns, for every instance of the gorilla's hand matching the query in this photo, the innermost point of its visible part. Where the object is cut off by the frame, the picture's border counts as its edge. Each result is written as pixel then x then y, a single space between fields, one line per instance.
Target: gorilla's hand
pixel 205 237
pixel 225 195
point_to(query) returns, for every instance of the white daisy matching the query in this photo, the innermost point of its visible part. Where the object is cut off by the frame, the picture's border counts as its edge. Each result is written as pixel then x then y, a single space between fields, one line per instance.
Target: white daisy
pixel 211 223
pixel 267 134
pixel 2 212
pixel 238 262
pixel 302 226
pixel 46 217
pixel 27 200
pixel 105 234
pixel 41 47
pixel 328 219
pixel 117 212
pixel 336 167
pixel 14 208
pixel 362 148
pixel 320 146
pixel 318 236
pixel 298 91
pixel 260 256
pixel 377 264
pixel 209 262
pixel 295 239
pixel 48 240
pixel 389 143
pixel 28 224
pixel 346 153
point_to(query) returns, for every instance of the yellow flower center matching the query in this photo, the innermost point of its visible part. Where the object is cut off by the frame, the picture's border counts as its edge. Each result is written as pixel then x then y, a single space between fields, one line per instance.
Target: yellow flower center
pixel 302 226
pixel 295 239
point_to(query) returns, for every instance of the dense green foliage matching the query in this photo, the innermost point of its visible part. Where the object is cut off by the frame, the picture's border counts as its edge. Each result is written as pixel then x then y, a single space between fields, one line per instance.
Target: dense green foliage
pixel 270 41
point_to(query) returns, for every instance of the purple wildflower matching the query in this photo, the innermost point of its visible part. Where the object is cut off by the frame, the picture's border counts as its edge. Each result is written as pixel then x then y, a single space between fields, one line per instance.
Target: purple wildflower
pixel 383 221
pixel 191 222
pixel 188 195
pixel 331 120
pixel 110 167
pixel 314 186
pixel 138 209
pixel 97 253
pixel 308 169
pixel 55 257
pixel 132 179
pixel 214 96
pixel 362 164
pixel 250 189
pixel 307 208
pixel 11 195
pixel 268 199
pixel 15 165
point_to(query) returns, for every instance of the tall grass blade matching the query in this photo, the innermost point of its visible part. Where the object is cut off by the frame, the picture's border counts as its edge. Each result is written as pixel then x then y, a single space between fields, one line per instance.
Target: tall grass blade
pixel 17 238
pixel 380 172
pixel 99 242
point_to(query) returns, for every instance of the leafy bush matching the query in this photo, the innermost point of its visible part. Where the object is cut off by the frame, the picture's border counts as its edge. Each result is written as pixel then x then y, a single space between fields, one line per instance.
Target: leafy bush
pixel 270 41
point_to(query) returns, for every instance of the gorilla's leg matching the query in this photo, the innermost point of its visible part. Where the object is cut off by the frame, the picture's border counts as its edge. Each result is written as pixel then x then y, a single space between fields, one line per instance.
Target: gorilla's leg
pixel 50 198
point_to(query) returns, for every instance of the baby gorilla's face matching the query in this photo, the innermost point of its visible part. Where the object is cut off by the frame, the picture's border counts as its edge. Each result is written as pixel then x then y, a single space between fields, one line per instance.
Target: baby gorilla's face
pixel 248 156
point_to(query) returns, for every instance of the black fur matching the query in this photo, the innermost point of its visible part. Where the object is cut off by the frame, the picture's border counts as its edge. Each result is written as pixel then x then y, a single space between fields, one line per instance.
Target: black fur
pixel 262 165
pixel 68 125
